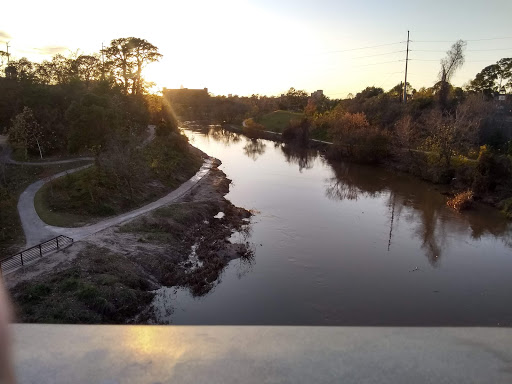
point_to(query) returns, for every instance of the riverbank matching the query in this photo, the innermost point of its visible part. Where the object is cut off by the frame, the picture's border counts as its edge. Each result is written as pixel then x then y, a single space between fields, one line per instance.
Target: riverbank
pixel 487 177
pixel 111 276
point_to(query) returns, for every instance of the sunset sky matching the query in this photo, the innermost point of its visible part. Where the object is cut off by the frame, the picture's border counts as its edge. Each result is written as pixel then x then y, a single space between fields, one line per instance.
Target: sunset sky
pixel 267 46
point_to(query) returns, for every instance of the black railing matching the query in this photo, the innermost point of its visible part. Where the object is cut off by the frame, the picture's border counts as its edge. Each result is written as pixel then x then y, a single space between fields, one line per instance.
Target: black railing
pixel 37 251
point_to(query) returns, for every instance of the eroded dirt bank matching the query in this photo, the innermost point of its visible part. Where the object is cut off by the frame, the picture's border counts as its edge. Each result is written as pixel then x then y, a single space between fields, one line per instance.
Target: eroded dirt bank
pixel 111 276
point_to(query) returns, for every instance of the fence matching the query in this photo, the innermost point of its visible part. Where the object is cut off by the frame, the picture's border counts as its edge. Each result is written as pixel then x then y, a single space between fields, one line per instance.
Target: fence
pixel 37 251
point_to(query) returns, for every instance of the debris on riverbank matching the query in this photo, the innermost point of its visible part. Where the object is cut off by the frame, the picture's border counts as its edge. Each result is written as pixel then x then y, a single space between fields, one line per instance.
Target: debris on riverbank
pixel 461 201
pixel 111 276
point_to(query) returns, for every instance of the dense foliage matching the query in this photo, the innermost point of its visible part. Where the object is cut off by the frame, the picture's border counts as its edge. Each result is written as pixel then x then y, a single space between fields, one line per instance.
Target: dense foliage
pixel 75 104
pixel 86 105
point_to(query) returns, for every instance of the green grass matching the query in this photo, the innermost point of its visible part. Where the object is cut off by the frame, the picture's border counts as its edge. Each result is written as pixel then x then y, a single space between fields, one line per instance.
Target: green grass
pixel 98 287
pixel 59 219
pixel 95 193
pixel 278 120
pixel 13 180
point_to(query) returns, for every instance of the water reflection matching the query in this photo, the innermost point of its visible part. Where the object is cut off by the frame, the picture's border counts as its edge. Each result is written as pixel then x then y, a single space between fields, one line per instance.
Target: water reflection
pixel 351 181
pixel 303 157
pixel 419 203
pixel 214 132
pixel 201 281
pixel 254 148
pixel 224 136
pixel 335 245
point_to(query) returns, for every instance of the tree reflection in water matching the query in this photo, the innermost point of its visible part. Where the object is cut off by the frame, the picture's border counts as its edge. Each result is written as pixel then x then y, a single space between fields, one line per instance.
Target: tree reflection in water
pixel 348 184
pixel 417 204
pixel 214 132
pixel 303 157
pixel 254 148
pixel 224 136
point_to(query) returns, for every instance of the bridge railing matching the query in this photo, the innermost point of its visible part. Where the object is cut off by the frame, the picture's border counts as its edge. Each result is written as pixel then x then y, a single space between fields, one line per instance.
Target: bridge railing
pixel 28 255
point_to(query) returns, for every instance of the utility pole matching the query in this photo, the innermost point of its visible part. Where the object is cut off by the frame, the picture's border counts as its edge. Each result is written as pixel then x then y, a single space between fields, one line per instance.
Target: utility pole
pixel 7 45
pixel 102 63
pixel 406 61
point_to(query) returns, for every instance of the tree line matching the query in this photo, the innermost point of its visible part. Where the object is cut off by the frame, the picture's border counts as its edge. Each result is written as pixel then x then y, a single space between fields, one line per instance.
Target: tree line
pixel 73 104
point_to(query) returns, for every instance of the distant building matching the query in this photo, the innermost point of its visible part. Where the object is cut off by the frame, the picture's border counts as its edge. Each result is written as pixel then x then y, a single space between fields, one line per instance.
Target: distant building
pixel 183 95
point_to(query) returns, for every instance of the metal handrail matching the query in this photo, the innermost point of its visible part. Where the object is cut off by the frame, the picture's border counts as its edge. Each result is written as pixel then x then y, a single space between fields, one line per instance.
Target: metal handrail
pixel 30 254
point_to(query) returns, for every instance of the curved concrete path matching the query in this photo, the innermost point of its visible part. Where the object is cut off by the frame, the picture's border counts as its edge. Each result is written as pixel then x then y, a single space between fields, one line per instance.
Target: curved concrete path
pixel 37 231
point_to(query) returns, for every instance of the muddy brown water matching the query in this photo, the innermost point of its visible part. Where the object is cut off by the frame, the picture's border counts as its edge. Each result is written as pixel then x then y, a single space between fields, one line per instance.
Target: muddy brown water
pixel 347 244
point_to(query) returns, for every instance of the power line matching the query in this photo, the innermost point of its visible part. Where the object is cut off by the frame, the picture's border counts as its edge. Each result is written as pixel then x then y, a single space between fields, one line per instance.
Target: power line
pixel 418 50
pixel 360 48
pixel 406 62
pixel 387 78
pixel 467 50
pixel 470 61
pixel 378 54
pixel 451 41
pixel 382 62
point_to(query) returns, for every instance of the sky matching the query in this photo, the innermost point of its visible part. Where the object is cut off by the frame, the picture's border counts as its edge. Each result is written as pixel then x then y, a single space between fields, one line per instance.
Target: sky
pixel 249 47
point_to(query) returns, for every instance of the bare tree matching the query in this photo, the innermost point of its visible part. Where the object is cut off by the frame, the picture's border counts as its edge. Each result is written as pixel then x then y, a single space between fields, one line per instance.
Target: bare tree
pixel 455 133
pixel 454 60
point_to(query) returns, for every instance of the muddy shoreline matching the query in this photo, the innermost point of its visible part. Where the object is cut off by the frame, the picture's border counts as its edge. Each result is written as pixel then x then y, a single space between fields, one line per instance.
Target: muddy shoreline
pixel 112 276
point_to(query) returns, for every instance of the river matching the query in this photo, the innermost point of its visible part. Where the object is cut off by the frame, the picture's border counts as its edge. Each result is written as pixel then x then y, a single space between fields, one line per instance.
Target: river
pixel 348 244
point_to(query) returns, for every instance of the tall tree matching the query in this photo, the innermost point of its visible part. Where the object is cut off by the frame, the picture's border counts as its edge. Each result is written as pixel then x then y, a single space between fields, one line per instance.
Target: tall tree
pixel 26 132
pixel 144 53
pixel 454 60
pixel 21 70
pixel 127 57
pixel 493 78
pixel 88 68
pixel 118 56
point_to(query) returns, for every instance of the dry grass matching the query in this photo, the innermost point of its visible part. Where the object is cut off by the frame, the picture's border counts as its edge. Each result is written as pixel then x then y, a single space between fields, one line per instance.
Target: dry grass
pixel 461 201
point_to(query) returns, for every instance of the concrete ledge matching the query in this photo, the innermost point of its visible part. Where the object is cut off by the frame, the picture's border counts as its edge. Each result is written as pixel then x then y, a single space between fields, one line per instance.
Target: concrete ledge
pixel 164 354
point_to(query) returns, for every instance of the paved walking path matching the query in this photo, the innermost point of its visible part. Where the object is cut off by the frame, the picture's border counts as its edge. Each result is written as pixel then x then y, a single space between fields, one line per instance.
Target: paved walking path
pixel 37 231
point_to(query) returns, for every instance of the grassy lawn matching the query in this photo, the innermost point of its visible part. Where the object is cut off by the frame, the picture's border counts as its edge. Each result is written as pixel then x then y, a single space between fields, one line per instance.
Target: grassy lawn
pixel 101 191
pixel 59 219
pixel 278 120
pixel 14 180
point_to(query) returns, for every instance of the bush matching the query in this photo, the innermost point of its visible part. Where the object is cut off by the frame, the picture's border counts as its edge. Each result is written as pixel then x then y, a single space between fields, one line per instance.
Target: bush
pixel 252 129
pixel 506 207
pixel 354 137
pixel 492 171
pixel 297 132
pixel 461 201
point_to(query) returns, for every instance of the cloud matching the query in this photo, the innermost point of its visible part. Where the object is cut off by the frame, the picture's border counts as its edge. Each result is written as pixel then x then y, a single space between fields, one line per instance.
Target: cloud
pixel 51 50
pixel 4 35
